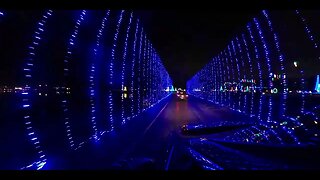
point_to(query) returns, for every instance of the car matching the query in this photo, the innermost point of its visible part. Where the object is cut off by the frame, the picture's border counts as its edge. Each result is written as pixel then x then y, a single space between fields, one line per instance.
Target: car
pixel 182 95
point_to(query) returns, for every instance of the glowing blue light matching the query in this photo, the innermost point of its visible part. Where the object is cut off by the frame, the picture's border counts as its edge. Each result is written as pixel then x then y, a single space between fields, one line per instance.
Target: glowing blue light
pixel 28 70
pixel 133 70
pixel 229 76
pixel 221 76
pixel 259 68
pixel 266 52
pixel 123 68
pixel 243 76
pixel 234 79
pixel 65 99
pixel 317 86
pixel 92 75
pixel 111 69
pixel 307 28
pixel 251 72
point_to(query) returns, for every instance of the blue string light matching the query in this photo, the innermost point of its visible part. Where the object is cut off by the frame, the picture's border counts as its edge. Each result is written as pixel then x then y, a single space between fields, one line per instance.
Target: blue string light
pixel 229 76
pixel 152 77
pixel 139 71
pixel 148 73
pixel 210 78
pixel 281 59
pixel 251 72
pixel 266 52
pixel 221 79
pixel 26 96
pixel 233 77
pixel 144 72
pixel 259 69
pixel 124 57
pixel 133 88
pixel 312 39
pixel 302 92
pixel 238 72
pixel 215 80
pixel 65 100
pixel 92 76
pixel 111 67
pixel 244 77
pixel 307 29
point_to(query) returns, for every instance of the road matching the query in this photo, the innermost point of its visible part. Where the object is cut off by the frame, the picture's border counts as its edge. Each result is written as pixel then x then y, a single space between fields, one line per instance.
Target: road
pixel 154 140
pixel 161 141
pixel 164 142
pixel 152 135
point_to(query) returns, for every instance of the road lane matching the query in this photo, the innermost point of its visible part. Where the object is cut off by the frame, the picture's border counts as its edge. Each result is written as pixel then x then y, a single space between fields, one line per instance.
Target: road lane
pixel 164 132
pixel 152 137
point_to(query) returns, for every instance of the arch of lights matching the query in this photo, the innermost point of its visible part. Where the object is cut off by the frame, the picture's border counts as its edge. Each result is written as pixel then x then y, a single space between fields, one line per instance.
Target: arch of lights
pixel 255 81
pixel 142 76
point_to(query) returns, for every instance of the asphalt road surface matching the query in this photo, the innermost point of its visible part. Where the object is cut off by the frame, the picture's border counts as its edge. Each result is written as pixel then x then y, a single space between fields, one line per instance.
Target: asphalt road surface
pixel 154 141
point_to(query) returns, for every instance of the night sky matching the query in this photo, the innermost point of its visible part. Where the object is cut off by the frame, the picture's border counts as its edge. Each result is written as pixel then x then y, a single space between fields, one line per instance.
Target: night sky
pixel 187 40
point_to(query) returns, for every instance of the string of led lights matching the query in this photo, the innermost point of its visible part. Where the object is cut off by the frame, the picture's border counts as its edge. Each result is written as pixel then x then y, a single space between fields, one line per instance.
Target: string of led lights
pixel 307 29
pixel 266 52
pixel 156 86
pixel 312 39
pixel 133 89
pixel 259 69
pixel 251 71
pixel 27 96
pixel 246 57
pixel 210 85
pixel 152 78
pixel 281 59
pixel 67 58
pixel 233 76
pixel 238 72
pixel 139 70
pixel 149 74
pixel 215 79
pixel 244 77
pixel 229 76
pixel 124 57
pixel 111 67
pixel 92 76
pixel 209 79
pixel 302 91
pixel 144 72
pixel 221 79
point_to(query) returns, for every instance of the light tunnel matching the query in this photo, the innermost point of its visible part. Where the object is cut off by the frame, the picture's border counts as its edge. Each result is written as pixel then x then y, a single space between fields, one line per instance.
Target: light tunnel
pixel 261 73
pixel 85 73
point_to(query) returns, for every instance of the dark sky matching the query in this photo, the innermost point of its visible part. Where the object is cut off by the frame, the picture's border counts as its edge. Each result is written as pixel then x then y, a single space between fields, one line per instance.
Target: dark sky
pixel 186 40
